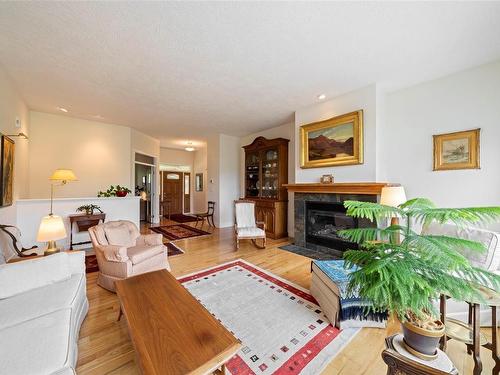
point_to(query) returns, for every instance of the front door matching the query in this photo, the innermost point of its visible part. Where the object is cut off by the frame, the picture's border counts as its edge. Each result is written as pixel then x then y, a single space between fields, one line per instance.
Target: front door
pixel 172 193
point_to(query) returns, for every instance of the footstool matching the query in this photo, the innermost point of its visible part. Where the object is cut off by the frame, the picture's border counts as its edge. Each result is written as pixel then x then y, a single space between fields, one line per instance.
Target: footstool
pixel 329 288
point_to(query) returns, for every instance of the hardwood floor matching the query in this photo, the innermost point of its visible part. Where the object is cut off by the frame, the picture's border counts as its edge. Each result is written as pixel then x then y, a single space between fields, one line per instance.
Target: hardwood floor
pixel 105 347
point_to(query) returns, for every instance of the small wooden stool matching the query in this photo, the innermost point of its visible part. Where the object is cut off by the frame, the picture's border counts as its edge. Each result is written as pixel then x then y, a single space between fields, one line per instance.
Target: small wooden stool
pixel 401 362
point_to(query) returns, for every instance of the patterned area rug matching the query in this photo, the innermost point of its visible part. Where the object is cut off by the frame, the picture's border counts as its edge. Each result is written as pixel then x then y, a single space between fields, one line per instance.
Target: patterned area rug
pixel 280 325
pixel 179 231
pixel 173 249
pixel 92 266
pixel 181 218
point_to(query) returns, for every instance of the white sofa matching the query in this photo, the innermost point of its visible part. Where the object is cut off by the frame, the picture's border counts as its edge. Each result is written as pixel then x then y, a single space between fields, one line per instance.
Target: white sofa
pixel 488 260
pixel 43 303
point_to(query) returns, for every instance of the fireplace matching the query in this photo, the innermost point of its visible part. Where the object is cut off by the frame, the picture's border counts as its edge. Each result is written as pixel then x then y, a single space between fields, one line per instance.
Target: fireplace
pixel 319 216
pixel 324 220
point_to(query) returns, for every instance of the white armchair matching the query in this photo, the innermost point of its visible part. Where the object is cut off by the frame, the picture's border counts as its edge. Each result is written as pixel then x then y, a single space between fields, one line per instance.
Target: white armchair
pixel 121 252
pixel 246 227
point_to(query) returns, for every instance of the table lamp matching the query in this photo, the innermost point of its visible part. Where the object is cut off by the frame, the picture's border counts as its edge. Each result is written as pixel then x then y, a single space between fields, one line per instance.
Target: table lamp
pixel 63 175
pixel 393 196
pixel 51 229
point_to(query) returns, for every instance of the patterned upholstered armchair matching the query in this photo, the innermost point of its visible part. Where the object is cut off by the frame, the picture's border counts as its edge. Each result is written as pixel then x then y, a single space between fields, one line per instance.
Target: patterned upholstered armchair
pixel 246 227
pixel 121 252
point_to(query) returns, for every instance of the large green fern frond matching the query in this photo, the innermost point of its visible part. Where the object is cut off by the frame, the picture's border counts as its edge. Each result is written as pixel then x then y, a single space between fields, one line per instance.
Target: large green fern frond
pixel 459 216
pixel 371 211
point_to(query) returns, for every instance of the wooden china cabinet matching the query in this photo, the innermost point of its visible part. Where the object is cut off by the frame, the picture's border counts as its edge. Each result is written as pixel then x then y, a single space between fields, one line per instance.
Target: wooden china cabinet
pixel 266 170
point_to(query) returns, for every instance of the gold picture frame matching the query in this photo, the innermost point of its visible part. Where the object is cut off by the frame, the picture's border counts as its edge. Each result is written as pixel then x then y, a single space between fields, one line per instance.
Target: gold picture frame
pixel 333 142
pixel 458 150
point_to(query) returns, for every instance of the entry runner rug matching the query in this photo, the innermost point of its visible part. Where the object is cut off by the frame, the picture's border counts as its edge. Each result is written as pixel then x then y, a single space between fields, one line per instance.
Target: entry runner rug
pixel 181 218
pixel 280 325
pixel 179 231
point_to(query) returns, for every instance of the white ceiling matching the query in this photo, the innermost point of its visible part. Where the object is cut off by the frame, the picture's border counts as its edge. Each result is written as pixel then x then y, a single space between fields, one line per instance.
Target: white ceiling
pixel 181 70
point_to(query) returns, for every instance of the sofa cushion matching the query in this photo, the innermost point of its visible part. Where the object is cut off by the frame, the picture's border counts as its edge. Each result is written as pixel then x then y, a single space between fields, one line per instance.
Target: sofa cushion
pixel 140 253
pixel 488 260
pixel 41 301
pixel 250 232
pixel 43 344
pixel 16 278
pixel 119 235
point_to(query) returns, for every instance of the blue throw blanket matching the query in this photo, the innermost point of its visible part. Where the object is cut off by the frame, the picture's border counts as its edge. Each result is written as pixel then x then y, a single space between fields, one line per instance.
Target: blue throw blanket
pixel 352 307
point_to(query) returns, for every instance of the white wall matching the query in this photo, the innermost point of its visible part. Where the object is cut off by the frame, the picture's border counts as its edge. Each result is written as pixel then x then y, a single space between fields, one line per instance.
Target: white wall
pixel 223 171
pixel 213 167
pixel 229 189
pixel 466 100
pixel 200 166
pixel 33 210
pixel 176 157
pixel 364 99
pixel 99 154
pixel 286 131
pixel 12 106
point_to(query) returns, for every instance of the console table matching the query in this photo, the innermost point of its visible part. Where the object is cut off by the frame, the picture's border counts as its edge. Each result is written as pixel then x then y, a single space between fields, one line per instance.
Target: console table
pixel 83 223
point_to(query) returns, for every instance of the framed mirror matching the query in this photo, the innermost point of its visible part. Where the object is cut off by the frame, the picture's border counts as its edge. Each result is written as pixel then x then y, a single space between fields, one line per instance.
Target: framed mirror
pixel 198 182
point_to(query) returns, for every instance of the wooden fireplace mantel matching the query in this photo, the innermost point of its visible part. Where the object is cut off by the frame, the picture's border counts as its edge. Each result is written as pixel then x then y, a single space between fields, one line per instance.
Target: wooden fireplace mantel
pixel 369 188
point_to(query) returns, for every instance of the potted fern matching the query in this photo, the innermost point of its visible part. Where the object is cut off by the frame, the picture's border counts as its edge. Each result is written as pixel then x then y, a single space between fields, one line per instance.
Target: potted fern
pixel 402 271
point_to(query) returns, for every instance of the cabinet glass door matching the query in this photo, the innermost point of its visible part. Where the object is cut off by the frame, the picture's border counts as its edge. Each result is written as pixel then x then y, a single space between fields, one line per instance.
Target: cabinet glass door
pixel 270 173
pixel 252 175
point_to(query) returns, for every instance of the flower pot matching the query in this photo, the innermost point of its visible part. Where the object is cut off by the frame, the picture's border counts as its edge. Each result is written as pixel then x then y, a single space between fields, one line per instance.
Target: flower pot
pixel 422 342
pixel 121 193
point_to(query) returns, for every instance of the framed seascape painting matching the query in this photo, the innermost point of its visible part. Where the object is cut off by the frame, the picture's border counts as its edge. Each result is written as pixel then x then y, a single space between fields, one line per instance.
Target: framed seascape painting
pixel 7 171
pixel 458 150
pixel 332 142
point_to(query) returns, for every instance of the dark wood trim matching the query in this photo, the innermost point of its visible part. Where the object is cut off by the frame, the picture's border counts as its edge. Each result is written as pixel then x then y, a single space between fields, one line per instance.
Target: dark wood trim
pixel 369 188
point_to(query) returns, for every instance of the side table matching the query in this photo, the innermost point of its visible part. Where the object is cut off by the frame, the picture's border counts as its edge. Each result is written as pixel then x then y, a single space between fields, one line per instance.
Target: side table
pixel 470 334
pixel 83 223
pixel 401 362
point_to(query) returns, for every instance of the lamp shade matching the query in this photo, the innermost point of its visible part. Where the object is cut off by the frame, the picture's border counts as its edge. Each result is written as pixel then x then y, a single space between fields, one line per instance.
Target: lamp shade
pixel 393 196
pixel 63 175
pixel 51 229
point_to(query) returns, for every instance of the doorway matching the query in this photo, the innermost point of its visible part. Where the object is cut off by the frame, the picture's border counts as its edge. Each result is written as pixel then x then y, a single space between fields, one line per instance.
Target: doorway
pixel 144 188
pixel 172 193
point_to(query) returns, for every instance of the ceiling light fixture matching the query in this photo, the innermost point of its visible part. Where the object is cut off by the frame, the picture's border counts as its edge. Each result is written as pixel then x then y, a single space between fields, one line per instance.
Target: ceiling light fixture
pixel 189 147
pixel 62 109
pixel 321 96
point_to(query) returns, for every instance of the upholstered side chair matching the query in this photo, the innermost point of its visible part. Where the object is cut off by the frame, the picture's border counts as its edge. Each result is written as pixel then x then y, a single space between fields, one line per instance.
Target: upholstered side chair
pixel 246 227
pixel 121 252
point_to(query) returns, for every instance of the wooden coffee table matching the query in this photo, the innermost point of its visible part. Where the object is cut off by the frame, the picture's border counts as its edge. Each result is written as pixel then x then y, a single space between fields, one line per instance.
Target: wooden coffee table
pixel 171 331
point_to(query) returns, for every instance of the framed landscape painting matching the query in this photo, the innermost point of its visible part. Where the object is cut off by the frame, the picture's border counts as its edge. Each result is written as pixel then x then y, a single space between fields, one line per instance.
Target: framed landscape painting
pixel 458 150
pixel 7 171
pixel 332 142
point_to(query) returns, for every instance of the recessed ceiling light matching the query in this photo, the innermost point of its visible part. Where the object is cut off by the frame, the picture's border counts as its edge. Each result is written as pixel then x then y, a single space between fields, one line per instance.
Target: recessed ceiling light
pixel 62 109
pixel 321 96
pixel 189 147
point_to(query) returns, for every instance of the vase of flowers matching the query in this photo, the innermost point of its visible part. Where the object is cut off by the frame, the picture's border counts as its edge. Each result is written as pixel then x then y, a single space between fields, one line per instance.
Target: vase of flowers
pixel 115 191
